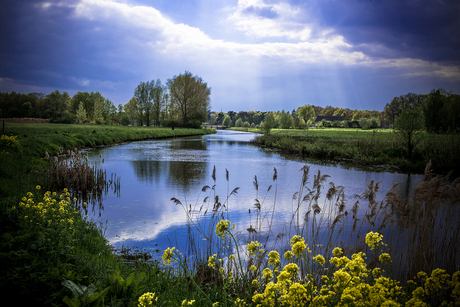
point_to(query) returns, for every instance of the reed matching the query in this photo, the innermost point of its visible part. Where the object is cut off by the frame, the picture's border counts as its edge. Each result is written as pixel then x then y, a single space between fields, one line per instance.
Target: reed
pixel 87 183
pixel 420 234
pixel 421 231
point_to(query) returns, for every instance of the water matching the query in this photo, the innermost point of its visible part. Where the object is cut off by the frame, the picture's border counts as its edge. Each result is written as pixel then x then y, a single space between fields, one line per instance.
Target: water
pixel 154 171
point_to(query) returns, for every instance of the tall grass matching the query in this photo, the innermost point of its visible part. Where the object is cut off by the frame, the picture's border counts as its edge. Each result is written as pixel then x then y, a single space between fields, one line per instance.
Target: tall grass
pixel 420 234
pixel 421 231
pixel 86 182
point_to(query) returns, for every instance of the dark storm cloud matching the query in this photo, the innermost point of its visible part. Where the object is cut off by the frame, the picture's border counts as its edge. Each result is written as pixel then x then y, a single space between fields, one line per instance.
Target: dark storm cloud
pixel 423 29
pixel 266 11
pixel 46 46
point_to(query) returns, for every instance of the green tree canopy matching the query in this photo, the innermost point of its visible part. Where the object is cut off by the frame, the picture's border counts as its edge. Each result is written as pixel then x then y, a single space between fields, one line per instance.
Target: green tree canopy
pixel 307 113
pixel 227 121
pixel 81 114
pixel 269 123
pixel 190 95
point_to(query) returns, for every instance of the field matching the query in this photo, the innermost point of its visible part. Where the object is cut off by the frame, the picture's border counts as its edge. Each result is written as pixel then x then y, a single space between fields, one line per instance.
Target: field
pixel 377 148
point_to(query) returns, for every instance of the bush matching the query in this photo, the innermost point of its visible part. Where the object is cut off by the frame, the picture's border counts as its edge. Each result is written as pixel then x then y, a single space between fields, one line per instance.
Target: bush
pixel 369 123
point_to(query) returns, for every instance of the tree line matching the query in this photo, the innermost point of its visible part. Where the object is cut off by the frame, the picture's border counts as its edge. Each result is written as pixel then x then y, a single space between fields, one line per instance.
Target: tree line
pixel 439 110
pixel 184 100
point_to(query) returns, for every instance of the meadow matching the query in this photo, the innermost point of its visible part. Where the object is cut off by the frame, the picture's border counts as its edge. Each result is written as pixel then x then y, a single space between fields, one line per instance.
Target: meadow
pixel 376 148
pixel 53 255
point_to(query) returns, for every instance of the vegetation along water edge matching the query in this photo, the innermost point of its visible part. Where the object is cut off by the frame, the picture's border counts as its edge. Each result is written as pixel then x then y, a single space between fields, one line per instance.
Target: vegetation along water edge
pixel 53 239
pixel 383 148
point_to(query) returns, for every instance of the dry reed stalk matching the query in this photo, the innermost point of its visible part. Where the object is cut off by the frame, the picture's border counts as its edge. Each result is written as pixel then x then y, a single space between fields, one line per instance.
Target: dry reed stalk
pixel 416 230
pixel 85 182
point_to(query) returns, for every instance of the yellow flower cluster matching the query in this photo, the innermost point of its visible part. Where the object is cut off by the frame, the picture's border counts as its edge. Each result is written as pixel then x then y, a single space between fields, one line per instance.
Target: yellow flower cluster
pixel 212 261
pixel 9 143
pixel 187 303
pixel 168 255
pixel 349 282
pixel 254 248
pixel 428 289
pixel 274 259
pixel 146 299
pixel 223 228
pixel 286 291
pixel 50 211
pixel 298 245
pixel 374 240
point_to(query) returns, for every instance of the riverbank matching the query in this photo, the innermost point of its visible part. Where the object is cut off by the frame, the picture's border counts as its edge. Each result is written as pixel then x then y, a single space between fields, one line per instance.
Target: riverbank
pixel 49 250
pixel 374 148
pixel 23 154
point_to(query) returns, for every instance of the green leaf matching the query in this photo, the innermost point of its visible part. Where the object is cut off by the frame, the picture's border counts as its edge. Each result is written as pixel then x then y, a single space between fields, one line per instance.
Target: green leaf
pixel 71 302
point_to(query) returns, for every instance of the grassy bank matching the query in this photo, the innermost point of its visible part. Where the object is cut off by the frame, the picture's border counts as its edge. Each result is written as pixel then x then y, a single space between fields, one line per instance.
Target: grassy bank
pixel 24 159
pixel 49 250
pixel 367 147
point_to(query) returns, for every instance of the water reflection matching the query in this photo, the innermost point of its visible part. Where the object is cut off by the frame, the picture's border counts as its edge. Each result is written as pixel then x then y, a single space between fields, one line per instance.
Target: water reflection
pixel 183 174
pixel 152 172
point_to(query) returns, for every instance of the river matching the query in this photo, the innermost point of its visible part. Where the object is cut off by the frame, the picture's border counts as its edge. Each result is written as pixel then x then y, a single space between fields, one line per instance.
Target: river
pixel 154 171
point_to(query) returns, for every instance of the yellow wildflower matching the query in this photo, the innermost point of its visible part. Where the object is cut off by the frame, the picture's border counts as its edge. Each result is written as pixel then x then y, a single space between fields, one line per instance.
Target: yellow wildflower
pixel 254 248
pixel 320 259
pixel 373 239
pixel 337 251
pixel 146 299
pixel 212 261
pixel 168 255
pixel 299 247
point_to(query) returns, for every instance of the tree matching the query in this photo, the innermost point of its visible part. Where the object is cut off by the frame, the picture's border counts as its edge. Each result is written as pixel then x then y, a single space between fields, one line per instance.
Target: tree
pixel 269 123
pixel 212 119
pixel 227 121
pixel 191 97
pixel 394 108
pixel 144 105
pixel 89 101
pixel 307 113
pixel 408 127
pixel 56 107
pixel 340 112
pixel 98 116
pixel 285 120
pixel 158 95
pixel 81 114
pixel 358 114
pixel 133 112
pixel 239 123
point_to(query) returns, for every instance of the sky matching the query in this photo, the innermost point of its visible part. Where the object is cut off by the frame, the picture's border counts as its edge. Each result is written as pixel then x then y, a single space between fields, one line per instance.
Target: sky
pixel 262 55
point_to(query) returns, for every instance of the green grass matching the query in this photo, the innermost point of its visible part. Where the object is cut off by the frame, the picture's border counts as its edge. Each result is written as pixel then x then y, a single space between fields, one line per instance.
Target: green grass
pixel 379 147
pixel 43 257
pixel 24 164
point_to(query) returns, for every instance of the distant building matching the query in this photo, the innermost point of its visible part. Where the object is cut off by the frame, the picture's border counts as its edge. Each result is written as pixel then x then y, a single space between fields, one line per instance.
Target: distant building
pixel 329 118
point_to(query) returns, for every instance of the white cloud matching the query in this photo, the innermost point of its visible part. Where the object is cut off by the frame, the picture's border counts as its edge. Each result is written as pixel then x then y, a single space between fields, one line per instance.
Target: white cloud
pixel 158 34
pixel 251 17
